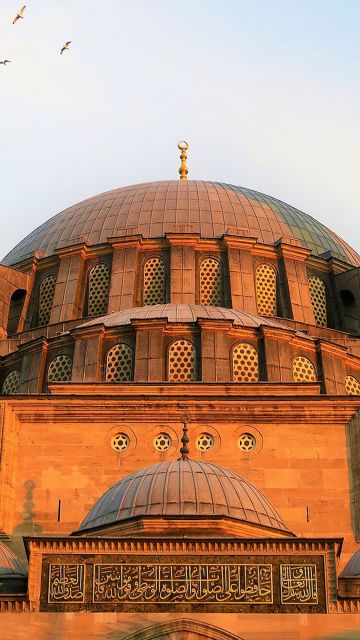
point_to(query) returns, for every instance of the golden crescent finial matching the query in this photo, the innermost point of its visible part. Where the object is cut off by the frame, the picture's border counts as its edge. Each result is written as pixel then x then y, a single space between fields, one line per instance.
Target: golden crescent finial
pixel 183 146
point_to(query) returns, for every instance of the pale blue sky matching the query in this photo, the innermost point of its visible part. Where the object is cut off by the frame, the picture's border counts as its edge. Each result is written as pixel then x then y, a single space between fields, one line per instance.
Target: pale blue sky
pixel 267 92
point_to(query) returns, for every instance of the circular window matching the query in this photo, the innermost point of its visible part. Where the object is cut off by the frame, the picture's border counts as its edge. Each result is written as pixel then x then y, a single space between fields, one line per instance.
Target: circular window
pixel 120 442
pixel 162 442
pixel 204 442
pixel 246 442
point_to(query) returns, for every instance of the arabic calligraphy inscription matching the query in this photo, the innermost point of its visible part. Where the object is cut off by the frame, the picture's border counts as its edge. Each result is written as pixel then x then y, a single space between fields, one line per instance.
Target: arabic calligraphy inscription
pixel 219 583
pixel 66 583
pixel 298 584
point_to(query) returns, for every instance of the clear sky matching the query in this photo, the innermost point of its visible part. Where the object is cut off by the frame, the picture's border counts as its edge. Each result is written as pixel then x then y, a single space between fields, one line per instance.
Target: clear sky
pixel 267 92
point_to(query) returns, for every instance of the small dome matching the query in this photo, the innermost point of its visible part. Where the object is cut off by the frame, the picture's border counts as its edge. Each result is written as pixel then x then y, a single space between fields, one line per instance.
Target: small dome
pixel 10 566
pixel 13 577
pixel 352 569
pixel 183 313
pixel 153 209
pixel 183 488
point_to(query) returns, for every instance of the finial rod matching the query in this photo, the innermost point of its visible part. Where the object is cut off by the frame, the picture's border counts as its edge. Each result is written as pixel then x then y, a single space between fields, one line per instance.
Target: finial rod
pixel 183 146
pixel 185 440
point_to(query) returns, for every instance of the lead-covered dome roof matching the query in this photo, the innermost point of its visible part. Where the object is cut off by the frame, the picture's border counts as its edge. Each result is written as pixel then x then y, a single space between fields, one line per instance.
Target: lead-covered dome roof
pixel 183 313
pixel 183 488
pixel 153 209
pixel 10 565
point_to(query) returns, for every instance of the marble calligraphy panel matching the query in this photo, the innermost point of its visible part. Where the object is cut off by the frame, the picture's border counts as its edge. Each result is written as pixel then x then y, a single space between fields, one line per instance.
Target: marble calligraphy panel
pixel 66 583
pixel 183 583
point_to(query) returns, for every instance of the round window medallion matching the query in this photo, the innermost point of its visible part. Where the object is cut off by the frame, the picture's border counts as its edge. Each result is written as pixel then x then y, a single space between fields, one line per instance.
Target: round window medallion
pixel 247 442
pixel 120 442
pixel 205 442
pixel 162 442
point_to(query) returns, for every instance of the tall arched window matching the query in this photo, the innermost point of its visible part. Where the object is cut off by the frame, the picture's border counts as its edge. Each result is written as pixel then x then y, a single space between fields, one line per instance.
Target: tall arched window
pixel 352 386
pixel 11 383
pixel 98 290
pixel 211 285
pixel 60 369
pixel 265 280
pixel 245 363
pixel 15 310
pixel 120 364
pixel 303 370
pixel 154 281
pixel 46 297
pixel 318 299
pixel 182 361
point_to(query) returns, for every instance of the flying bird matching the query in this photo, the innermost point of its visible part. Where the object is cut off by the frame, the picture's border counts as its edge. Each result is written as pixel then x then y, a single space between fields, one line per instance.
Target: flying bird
pixel 4 62
pixel 19 14
pixel 65 47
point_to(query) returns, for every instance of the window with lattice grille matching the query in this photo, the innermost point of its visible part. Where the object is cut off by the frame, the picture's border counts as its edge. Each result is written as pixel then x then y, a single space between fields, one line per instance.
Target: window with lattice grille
pixel 266 290
pixel 11 383
pixel 245 363
pixel 211 286
pixel 303 370
pixel 46 297
pixel 120 364
pixel 182 361
pixel 352 386
pixel 318 299
pixel 99 288
pixel 60 369
pixel 154 281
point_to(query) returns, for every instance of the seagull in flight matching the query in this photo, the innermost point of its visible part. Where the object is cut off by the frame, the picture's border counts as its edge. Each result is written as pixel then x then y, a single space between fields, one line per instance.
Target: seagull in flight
pixel 19 14
pixel 65 47
pixel 4 62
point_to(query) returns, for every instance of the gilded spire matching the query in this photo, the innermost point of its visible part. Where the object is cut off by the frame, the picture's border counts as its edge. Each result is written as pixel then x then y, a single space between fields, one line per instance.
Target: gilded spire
pixel 185 440
pixel 183 146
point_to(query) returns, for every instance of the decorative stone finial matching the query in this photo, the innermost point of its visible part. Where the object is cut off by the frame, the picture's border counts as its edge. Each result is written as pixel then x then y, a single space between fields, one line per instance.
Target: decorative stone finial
pixel 185 449
pixel 183 146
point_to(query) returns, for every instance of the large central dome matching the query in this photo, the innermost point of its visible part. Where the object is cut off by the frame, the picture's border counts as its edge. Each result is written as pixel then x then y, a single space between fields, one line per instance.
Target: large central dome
pixel 210 209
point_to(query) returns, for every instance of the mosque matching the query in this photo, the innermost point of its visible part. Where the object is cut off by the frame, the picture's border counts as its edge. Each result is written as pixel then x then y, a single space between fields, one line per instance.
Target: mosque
pixel 179 421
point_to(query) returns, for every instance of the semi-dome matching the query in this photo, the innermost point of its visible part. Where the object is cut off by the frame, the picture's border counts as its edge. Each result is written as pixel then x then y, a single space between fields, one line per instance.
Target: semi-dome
pixel 210 209
pixel 186 489
pixel 183 313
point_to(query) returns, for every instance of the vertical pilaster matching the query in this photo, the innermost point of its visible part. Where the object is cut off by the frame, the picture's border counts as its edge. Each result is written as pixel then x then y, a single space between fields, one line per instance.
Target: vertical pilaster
pixel 182 269
pixel 123 277
pixel 241 271
pixel 68 296
pixel 292 258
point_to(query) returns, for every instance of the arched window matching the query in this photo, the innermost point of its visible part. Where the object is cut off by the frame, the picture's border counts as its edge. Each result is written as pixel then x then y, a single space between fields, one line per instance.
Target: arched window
pixel 154 281
pixel 352 386
pixel 266 290
pixel 211 286
pixel 245 363
pixel 15 310
pixel 11 383
pixel 303 370
pixel 60 369
pixel 318 299
pixel 120 364
pixel 98 290
pixel 46 297
pixel 182 361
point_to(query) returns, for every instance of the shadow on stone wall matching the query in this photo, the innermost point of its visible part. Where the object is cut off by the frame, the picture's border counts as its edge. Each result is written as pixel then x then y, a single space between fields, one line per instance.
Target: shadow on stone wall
pixel 28 526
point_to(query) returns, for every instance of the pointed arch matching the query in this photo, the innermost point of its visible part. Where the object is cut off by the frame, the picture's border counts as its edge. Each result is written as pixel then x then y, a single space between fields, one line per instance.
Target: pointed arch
pixel 182 629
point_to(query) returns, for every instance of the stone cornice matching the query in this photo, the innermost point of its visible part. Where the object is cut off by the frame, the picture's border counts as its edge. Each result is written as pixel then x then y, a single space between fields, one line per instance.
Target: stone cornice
pixel 238 242
pixel 180 546
pixel 302 404
pixel 292 251
pixel 79 249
